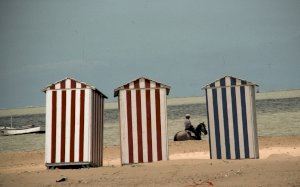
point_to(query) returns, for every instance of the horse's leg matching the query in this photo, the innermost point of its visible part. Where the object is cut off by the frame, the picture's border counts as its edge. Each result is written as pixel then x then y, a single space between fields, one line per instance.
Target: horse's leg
pixel 198 136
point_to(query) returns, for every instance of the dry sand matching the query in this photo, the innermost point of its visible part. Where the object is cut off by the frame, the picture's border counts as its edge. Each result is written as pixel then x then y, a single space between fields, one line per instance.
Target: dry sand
pixel 189 165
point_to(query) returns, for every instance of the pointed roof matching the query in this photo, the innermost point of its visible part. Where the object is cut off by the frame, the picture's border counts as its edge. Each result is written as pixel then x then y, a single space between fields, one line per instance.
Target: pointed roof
pixel 52 85
pixel 228 81
pixel 126 85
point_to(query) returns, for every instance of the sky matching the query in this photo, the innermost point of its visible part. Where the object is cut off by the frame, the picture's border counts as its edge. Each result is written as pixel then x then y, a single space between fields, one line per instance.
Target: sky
pixel 182 43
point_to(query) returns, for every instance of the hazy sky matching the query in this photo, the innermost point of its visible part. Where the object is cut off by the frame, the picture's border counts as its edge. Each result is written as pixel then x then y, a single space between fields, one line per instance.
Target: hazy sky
pixel 183 43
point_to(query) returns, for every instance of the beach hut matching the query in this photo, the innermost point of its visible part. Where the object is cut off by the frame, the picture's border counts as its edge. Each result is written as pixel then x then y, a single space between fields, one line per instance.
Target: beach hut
pixel 143 120
pixel 74 124
pixel 231 117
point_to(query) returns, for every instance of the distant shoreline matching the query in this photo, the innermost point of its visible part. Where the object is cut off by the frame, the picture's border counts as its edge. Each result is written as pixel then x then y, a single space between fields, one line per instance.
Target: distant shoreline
pixel 171 102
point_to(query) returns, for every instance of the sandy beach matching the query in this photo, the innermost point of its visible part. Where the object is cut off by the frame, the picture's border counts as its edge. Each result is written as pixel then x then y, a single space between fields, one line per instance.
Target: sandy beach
pixel 189 165
pixel 22 157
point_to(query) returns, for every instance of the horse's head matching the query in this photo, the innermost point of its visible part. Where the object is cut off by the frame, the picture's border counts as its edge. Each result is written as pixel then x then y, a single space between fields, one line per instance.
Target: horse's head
pixel 201 128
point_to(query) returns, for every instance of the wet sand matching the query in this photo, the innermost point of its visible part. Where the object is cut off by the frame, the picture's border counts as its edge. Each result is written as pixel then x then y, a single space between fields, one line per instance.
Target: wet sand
pixel 189 165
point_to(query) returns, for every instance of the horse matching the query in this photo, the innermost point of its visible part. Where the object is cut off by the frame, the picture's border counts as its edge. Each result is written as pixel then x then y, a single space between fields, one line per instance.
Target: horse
pixel 186 135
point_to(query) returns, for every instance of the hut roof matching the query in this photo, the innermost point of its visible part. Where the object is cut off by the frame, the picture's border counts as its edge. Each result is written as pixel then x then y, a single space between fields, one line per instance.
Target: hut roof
pixel 243 82
pixel 116 91
pixel 69 78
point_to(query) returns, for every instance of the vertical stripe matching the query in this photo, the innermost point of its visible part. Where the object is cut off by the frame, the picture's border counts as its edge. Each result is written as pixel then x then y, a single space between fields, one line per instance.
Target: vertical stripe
pixel 53 128
pixel 148 111
pixel 144 121
pixel 97 128
pixel 81 130
pixel 58 125
pixel 120 128
pixel 134 123
pixel 139 122
pixel 158 122
pixel 63 121
pixel 254 121
pixel 223 145
pixel 124 126
pixel 68 121
pixel 98 135
pixel 87 117
pixel 91 137
pixel 153 121
pixel 100 130
pixel 208 122
pixel 102 123
pixel 72 129
pixel 97 132
pixel 249 121
pixel 95 124
pixel 225 119
pixel 216 118
pixel 129 123
pixel 211 124
pixel 239 122
pixel 48 126
pixel 244 120
pixel 233 138
pixel 235 117
pixel 93 127
pixel 164 128
pixel 77 123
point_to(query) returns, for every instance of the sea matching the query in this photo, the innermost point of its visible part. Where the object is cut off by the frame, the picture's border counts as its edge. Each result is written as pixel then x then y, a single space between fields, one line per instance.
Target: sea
pixel 275 117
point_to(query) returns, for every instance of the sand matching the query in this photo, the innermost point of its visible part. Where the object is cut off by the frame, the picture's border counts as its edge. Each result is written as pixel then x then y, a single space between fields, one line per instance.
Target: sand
pixel 189 165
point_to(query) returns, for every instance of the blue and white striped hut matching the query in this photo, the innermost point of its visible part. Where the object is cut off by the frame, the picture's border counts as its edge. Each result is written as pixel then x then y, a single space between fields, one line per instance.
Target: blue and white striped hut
pixel 231 114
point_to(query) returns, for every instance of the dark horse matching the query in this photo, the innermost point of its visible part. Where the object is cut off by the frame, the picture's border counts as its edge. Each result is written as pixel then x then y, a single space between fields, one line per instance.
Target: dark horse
pixel 187 135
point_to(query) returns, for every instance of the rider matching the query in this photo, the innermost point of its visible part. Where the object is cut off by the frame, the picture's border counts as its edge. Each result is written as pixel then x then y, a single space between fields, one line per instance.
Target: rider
pixel 187 124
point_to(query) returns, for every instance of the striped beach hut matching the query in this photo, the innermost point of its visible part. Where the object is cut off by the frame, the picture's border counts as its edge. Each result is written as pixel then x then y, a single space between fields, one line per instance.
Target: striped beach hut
pixel 74 124
pixel 143 121
pixel 231 117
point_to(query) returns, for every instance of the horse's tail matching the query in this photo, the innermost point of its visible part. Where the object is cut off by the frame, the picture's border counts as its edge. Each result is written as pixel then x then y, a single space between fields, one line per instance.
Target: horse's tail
pixel 175 137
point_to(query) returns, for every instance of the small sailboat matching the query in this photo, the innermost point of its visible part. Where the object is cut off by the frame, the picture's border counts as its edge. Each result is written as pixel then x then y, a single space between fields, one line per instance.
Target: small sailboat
pixel 21 130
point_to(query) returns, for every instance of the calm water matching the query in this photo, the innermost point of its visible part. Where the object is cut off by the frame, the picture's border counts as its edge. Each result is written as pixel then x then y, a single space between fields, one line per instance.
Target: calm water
pixel 275 117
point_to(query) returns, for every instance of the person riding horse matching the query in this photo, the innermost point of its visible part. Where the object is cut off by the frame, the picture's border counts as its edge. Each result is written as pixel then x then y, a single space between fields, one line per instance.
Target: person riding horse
pixel 189 132
pixel 188 125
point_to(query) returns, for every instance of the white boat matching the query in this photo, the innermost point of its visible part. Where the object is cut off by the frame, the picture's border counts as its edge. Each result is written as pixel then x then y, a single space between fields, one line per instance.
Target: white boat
pixel 22 130
pixel 5 127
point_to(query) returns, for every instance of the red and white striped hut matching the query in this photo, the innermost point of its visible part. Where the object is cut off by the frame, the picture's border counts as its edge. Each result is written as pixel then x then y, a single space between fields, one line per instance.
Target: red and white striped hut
pixel 143 121
pixel 74 124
